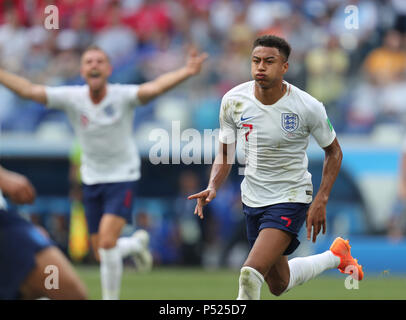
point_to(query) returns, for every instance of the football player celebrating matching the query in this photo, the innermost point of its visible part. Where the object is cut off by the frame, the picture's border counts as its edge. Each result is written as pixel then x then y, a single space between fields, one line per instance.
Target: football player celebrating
pixel 276 120
pixel 102 115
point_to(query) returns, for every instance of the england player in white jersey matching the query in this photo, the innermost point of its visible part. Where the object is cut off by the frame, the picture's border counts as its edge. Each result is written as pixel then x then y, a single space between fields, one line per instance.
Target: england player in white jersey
pixel 101 115
pixel 274 120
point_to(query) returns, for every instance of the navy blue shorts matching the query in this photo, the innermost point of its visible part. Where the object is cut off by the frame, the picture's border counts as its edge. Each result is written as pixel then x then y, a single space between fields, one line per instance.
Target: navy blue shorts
pixel 284 216
pixel 20 241
pixel 115 198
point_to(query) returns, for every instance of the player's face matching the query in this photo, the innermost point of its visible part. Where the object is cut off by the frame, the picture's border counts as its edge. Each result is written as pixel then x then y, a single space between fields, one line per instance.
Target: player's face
pixel 95 69
pixel 267 66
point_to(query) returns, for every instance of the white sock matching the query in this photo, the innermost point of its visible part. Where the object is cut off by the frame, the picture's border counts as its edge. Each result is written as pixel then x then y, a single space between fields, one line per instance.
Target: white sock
pixel 128 245
pixel 306 268
pixel 111 269
pixel 250 284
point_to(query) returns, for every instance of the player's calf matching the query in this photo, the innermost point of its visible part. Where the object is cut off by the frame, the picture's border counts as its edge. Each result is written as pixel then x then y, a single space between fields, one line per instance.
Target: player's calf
pixel 276 286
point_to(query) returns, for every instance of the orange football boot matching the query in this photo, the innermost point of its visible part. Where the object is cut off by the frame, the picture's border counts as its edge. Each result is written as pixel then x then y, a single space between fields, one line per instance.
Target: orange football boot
pixel 342 249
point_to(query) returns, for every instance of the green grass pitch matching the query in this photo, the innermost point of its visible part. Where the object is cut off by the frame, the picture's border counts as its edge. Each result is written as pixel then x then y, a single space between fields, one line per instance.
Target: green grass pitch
pixel 200 284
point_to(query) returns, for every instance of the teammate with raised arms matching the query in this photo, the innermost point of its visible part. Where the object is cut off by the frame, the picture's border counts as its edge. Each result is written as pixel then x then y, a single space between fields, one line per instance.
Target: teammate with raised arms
pixel 102 116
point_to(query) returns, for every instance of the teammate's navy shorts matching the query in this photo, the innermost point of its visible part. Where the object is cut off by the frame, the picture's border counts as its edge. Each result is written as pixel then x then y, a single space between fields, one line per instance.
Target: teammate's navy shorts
pixel 284 216
pixel 20 241
pixel 115 198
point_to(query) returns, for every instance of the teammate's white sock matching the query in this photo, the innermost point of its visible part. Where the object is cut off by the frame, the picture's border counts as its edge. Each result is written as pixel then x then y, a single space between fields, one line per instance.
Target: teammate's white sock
pixel 250 284
pixel 306 268
pixel 111 269
pixel 128 245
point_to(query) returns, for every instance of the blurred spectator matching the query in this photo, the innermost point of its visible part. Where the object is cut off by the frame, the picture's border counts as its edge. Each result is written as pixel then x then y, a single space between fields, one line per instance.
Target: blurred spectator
pixel 327 68
pixel 150 20
pixel 80 25
pixel 222 15
pixel 116 39
pixel 387 63
pixel 379 97
pixel 14 42
pixel 64 67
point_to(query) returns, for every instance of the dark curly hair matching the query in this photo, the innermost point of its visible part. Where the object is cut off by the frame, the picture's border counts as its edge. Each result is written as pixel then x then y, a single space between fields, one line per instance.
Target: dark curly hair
pixel 273 42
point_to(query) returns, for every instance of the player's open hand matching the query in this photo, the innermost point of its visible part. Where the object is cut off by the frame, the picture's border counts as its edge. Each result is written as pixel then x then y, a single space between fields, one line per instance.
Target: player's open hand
pixel 195 61
pixel 17 187
pixel 316 219
pixel 203 198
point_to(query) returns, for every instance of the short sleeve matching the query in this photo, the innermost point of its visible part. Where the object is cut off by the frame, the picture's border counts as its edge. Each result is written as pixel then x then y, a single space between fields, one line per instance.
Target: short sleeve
pixel 320 126
pixel 58 97
pixel 130 94
pixel 228 129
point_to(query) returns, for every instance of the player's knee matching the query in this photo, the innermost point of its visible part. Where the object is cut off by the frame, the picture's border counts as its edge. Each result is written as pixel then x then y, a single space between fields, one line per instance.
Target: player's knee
pixel 107 242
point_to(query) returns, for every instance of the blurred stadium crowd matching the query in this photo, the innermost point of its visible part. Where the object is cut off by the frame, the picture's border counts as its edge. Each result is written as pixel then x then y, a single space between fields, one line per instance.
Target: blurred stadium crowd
pixel 359 74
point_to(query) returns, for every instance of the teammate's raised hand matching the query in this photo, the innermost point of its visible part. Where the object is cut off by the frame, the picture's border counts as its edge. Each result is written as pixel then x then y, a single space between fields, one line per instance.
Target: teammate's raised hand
pixel 203 198
pixel 194 61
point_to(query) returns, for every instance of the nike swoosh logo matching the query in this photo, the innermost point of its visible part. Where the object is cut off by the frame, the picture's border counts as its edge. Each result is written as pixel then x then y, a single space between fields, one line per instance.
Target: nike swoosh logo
pixel 243 119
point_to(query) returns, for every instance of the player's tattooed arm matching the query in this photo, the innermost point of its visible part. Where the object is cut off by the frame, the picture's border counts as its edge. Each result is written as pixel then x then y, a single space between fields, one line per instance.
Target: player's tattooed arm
pixel 316 216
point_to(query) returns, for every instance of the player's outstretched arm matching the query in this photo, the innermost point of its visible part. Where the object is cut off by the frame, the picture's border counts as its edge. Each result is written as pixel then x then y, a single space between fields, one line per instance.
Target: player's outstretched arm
pixel 23 87
pixel 167 81
pixel 219 173
pixel 316 216
pixel 17 187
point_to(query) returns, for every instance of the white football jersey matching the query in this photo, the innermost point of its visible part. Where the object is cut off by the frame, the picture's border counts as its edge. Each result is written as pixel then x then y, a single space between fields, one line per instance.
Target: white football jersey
pixel 104 130
pixel 274 138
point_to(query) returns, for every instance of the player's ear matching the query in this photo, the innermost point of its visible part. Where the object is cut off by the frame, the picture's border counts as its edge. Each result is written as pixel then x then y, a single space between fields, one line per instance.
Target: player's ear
pixel 285 67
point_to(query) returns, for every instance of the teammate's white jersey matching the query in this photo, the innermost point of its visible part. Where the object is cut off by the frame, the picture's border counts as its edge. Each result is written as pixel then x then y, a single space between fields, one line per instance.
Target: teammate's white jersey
pixel 104 130
pixel 275 139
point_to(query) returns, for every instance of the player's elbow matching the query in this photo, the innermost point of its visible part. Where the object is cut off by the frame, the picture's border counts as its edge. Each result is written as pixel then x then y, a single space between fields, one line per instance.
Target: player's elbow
pixel 334 152
pixel 339 155
pixel 35 93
